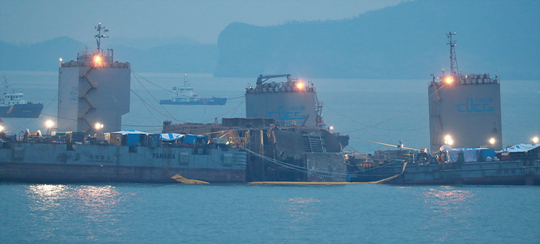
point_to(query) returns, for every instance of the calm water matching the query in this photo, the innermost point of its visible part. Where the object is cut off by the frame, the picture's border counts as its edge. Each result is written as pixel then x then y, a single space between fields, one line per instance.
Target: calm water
pixel 139 213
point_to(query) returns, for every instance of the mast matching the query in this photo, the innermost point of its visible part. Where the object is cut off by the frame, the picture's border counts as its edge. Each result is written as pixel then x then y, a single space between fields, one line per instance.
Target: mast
pixel 6 84
pixel 453 58
pixel 98 37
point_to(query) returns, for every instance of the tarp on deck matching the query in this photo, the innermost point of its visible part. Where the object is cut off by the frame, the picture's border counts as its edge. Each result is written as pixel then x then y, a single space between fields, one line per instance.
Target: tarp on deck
pixel 519 148
pixel 171 136
pixel 469 154
pixel 125 132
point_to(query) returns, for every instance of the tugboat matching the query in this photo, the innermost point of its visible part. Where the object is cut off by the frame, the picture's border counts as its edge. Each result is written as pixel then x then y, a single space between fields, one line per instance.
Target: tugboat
pixel 186 96
pixel 12 104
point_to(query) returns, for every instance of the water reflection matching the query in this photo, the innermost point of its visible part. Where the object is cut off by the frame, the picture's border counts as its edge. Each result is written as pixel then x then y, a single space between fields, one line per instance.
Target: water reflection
pixel 447 197
pixel 90 200
pixel 93 196
pixel 301 209
pixel 449 203
pixel 46 197
pixel 448 208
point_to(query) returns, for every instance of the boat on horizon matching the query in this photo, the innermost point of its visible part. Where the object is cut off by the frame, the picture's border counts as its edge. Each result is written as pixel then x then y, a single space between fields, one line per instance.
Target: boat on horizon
pixel 185 95
pixel 12 104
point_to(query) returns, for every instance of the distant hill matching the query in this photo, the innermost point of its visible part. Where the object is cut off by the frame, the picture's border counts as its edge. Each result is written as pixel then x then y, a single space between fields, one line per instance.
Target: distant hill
pixel 404 41
pixel 38 57
pixel 187 57
pixel 171 58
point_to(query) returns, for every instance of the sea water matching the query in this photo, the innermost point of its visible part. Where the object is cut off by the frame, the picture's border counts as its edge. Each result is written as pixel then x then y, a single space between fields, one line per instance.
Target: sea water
pixel 158 213
pixel 141 213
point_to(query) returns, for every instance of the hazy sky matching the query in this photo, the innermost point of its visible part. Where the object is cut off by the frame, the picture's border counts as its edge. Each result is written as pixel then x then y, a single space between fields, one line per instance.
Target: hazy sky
pixel 203 20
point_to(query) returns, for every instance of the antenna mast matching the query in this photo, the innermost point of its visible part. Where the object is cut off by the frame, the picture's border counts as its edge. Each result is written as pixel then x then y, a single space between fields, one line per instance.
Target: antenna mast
pixel 98 37
pixel 453 58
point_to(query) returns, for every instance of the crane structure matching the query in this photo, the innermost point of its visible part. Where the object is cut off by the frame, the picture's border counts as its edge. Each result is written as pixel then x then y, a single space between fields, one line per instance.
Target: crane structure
pixel 453 58
pixel 262 78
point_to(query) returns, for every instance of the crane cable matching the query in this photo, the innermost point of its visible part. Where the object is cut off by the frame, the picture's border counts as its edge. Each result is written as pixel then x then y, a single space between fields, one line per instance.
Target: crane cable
pixel 156 100
pixel 241 102
pixel 171 116
pixel 386 144
pixel 356 121
pixel 135 74
pixel 315 173
pixel 391 118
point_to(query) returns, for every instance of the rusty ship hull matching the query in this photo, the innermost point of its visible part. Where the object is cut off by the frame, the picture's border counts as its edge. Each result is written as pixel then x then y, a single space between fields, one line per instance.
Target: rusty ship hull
pixel 473 173
pixel 61 163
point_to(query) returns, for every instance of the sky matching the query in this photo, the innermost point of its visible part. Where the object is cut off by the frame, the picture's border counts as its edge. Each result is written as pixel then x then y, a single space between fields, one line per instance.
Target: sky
pixel 201 20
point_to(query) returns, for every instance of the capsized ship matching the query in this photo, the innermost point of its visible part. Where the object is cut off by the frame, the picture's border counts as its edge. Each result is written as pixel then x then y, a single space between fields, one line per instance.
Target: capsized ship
pixel 284 134
pixel 13 105
pixel 185 95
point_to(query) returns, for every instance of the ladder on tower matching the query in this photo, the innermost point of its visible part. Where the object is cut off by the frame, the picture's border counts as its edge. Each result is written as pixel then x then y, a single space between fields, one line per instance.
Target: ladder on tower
pixel 84 95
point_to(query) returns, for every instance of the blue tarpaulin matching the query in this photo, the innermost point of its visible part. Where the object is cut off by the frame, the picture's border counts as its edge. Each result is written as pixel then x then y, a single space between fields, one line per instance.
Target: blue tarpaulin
pixel 190 139
pixel 519 148
pixel 171 136
pixel 471 154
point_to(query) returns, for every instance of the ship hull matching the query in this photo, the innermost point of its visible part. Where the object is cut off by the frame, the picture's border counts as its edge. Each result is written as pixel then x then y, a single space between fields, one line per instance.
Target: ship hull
pixel 29 110
pixel 57 173
pixel 63 163
pixel 474 173
pixel 210 101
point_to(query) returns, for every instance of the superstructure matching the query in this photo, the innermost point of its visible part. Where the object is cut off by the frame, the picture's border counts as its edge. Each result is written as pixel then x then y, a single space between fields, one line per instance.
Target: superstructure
pixel 464 109
pixel 94 89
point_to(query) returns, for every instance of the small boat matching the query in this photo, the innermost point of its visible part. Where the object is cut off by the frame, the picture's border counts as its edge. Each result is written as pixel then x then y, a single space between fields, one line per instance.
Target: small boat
pixel 184 95
pixel 12 104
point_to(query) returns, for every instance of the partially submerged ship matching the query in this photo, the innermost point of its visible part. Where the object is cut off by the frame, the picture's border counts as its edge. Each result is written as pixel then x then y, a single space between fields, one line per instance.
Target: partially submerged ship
pixel 13 105
pixel 283 134
pixel 185 95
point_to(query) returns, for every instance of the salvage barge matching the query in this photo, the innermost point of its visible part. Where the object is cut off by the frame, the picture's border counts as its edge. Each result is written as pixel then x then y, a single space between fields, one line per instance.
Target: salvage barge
pixel 465 131
pixel 93 94
pixel 512 172
pixel 63 163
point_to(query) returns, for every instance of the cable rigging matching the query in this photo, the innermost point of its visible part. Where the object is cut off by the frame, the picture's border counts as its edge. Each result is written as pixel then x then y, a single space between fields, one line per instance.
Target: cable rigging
pixel 391 118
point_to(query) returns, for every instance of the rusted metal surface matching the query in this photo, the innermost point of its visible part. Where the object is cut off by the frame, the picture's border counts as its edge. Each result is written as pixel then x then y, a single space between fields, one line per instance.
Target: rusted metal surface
pixel 480 173
pixel 35 162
